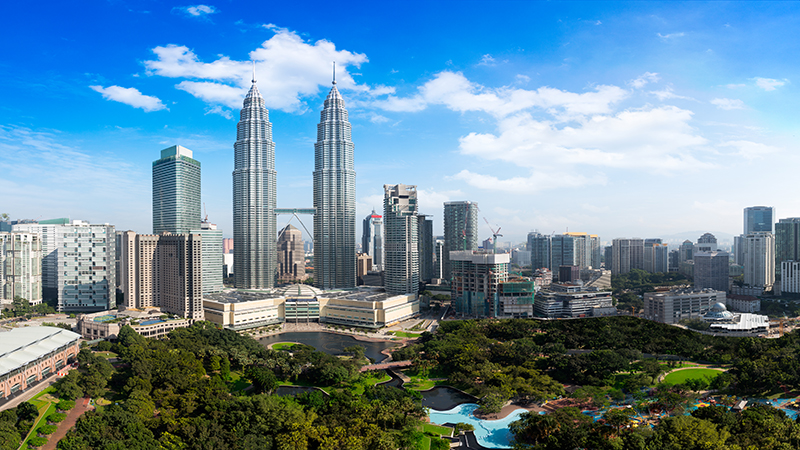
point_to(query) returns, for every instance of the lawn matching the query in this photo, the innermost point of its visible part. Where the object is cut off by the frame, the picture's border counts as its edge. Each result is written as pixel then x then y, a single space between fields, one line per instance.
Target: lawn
pixel 107 355
pixel 681 376
pixel 238 383
pixel 45 408
pixel 438 430
pixel 406 335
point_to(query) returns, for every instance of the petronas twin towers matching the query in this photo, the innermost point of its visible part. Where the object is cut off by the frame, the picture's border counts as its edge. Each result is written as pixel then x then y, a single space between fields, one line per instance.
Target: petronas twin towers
pixel 254 197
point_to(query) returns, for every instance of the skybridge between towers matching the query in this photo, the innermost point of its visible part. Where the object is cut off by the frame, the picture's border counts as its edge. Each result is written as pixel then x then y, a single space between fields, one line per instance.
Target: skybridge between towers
pixel 295 212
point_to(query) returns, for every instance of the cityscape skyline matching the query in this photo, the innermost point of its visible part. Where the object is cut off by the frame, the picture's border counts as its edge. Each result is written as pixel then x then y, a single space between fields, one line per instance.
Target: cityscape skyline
pixel 644 137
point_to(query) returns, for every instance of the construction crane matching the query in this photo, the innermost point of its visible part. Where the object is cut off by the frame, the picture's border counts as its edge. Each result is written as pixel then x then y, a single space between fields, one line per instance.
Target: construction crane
pixel 205 212
pixel 495 234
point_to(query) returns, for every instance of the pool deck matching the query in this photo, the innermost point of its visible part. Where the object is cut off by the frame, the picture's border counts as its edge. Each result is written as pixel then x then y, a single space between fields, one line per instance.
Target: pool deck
pixel 506 410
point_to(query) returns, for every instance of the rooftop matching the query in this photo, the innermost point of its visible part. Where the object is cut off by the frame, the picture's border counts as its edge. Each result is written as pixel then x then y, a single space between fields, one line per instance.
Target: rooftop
pixel 21 346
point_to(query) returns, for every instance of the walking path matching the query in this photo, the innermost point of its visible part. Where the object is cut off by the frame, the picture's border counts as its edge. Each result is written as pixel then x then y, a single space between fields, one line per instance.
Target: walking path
pixel 81 406
pixel 30 393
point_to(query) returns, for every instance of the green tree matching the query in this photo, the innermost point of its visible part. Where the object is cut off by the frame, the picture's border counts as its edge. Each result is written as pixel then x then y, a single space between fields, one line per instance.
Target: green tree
pixel 689 433
pixel 27 411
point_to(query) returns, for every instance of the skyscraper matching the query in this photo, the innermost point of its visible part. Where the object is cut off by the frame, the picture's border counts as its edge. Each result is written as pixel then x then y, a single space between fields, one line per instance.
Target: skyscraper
pixel 254 196
pixel 460 230
pixel 20 267
pixel 291 257
pixel 711 270
pixel 787 240
pixel 176 191
pixel 372 239
pixel 425 245
pixel 539 246
pixel 402 237
pixel 334 197
pixel 759 260
pixel 563 252
pixel 759 219
pixel 212 263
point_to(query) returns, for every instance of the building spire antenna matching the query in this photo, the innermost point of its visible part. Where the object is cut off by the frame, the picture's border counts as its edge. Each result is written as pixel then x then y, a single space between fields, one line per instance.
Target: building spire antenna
pixel 254 72
pixel 334 72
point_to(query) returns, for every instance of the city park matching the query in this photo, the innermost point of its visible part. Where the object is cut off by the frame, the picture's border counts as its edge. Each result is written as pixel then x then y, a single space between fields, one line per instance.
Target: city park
pixel 598 383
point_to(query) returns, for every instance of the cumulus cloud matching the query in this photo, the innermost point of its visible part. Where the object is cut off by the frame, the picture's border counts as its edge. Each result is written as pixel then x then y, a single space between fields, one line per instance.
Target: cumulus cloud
pixel 130 96
pixel 536 182
pixel 750 150
pixel 769 84
pixel 657 139
pixel 728 103
pixel 196 11
pixel 289 68
pixel 645 78
pixel 219 111
pixel 456 92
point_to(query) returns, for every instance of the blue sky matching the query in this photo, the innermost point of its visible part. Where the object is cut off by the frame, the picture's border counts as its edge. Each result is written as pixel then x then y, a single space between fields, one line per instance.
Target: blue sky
pixel 620 119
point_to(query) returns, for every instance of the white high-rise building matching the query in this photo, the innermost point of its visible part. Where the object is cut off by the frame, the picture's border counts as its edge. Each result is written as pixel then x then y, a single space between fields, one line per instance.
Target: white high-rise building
pixel 372 239
pixel 460 230
pixel 759 260
pixel 211 257
pixel 20 267
pixel 46 229
pixel 83 265
pixel 334 197
pixel 254 196
pixel 402 237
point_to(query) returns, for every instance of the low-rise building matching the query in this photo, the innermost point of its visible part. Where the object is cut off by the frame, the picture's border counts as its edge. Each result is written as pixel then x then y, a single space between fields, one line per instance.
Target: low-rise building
pixel 678 304
pixel 572 300
pixel 743 303
pixel 30 354
pixel 723 321
pixel 149 323
pixel 362 307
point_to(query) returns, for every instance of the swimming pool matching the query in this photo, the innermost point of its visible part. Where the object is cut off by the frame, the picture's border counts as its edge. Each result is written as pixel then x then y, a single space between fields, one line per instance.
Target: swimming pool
pixel 489 433
pixel 153 321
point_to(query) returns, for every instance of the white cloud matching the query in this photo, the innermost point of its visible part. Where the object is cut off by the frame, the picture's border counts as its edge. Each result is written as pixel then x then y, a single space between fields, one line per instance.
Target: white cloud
pixel 455 91
pixel 728 103
pixel 735 86
pixel 657 139
pixel 196 11
pixel 377 118
pixel 670 36
pixel 750 150
pixel 219 111
pixel 522 78
pixel 130 96
pixel 487 60
pixel 769 84
pixel 291 68
pixel 642 80
pixel 667 94
pixel 536 182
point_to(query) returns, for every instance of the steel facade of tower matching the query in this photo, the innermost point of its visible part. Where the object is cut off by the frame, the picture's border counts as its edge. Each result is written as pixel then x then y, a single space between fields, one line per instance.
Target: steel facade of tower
pixel 334 198
pixel 176 191
pixel 254 197
pixel 372 239
pixel 460 230
pixel 402 239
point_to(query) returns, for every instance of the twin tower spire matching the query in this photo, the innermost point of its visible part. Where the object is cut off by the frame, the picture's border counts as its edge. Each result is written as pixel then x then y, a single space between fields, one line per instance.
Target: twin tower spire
pixel 255 196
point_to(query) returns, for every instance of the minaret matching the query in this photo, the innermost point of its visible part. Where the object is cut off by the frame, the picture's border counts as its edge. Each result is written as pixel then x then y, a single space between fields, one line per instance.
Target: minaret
pixel 334 197
pixel 254 196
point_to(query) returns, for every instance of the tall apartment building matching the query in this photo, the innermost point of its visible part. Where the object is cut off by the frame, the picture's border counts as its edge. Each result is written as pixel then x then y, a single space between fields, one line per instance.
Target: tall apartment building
pixel 562 252
pixel 372 239
pixel 759 260
pixel 790 278
pixel 254 196
pixel 655 257
pixel 476 279
pixel 46 229
pixel 84 265
pixel 539 246
pixel 587 249
pixel 176 191
pixel 438 259
pixel 163 271
pixel 759 219
pixel 363 266
pixel 425 248
pixel 686 251
pixel 401 239
pixel 787 241
pixel 706 243
pixel 20 267
pixel 334 197
pixel 460 230
pixel 212 257
pixel 711 270
pixel 291 257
